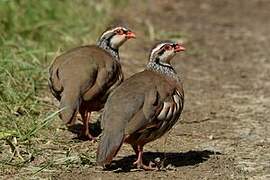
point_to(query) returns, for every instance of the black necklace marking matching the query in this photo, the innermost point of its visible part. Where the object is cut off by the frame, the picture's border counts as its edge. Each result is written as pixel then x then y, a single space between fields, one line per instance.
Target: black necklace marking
pixel 163 69
pixel 105 44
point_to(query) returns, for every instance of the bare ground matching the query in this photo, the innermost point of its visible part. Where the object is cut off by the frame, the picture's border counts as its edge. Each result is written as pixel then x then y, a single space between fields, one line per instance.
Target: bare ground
pixel 224 132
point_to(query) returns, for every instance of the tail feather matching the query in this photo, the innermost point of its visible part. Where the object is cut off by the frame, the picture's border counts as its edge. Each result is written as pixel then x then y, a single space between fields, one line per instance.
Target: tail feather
pixel 70 103
pixel 109 145
pixel 55 93
pixel 54 82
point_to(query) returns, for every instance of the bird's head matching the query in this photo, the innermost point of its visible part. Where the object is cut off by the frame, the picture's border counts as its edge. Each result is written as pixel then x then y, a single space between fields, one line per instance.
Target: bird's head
pixel 116 36
pixel 163 52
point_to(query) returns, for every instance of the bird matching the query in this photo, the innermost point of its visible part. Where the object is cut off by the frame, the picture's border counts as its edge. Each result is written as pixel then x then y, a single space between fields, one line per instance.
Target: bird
pixel 83 77
pixel 143 108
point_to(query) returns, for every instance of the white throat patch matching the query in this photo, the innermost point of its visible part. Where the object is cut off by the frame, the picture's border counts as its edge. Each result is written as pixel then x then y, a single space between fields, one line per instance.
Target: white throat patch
pixel 117 40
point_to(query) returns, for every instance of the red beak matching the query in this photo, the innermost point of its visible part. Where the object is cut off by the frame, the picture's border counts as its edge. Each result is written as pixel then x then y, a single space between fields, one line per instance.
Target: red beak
pixel 179 47
pixel 130 35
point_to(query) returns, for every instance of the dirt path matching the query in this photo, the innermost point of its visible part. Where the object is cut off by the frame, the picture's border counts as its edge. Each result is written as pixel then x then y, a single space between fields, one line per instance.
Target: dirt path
pixel 225 127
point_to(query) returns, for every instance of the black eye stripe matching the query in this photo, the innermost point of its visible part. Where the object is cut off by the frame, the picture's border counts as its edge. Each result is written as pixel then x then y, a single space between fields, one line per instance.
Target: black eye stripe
pixel 123 30
pixel 173 45
pixel 161 52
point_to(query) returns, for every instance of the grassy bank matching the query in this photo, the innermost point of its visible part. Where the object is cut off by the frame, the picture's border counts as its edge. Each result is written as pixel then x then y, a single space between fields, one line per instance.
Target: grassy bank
pixel 31 32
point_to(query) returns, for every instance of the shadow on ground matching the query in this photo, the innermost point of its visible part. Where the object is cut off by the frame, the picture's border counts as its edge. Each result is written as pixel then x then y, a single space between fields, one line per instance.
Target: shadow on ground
pixel 94 129
pixel 190 158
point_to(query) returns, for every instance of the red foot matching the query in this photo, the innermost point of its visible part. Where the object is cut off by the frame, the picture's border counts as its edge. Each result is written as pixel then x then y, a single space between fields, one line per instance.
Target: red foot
pixel 140 165
pixel 88 136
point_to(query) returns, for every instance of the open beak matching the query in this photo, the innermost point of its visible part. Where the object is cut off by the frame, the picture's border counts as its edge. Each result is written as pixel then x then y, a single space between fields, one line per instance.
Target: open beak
pixel 179 47
pixel 130 35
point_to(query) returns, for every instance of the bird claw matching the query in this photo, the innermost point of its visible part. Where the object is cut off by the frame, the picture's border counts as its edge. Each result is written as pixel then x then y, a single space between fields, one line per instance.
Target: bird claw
pixel 150 167
pixel 88 136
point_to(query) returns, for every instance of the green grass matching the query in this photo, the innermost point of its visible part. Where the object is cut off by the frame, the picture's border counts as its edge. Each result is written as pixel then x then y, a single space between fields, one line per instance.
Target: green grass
pixel 31 32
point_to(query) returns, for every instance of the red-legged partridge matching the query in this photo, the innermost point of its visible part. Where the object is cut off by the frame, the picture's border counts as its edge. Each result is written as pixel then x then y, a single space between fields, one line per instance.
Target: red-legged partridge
pixel 144 107
pixel 83 77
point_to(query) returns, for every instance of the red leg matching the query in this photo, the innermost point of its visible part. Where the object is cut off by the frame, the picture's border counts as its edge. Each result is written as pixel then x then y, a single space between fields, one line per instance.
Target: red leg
pixel 85 132
pixel 139 161
pixel 135 148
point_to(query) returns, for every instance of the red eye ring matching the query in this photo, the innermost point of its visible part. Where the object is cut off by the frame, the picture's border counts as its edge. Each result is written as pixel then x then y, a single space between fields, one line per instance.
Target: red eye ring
pixel 119 31
pixel 167 47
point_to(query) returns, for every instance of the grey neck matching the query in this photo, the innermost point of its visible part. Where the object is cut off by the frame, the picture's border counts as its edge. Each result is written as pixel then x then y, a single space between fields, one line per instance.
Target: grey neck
pixel 105 44
pixel 163 69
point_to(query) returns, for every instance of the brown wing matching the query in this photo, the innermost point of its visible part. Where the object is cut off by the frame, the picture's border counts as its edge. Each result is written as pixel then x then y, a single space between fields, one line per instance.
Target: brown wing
pixel 108 77
pixel 54 81
pixel 142 102
pixel 78 73
pixel 155 119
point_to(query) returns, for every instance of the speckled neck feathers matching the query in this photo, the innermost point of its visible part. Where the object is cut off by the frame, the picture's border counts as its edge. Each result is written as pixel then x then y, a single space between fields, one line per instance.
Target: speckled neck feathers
pixel 105 44
pixel 163 69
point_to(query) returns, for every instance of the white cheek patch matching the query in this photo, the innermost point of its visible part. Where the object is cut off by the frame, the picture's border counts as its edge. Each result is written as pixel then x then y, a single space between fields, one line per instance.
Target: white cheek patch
pixel 117 40
pixel 167 55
